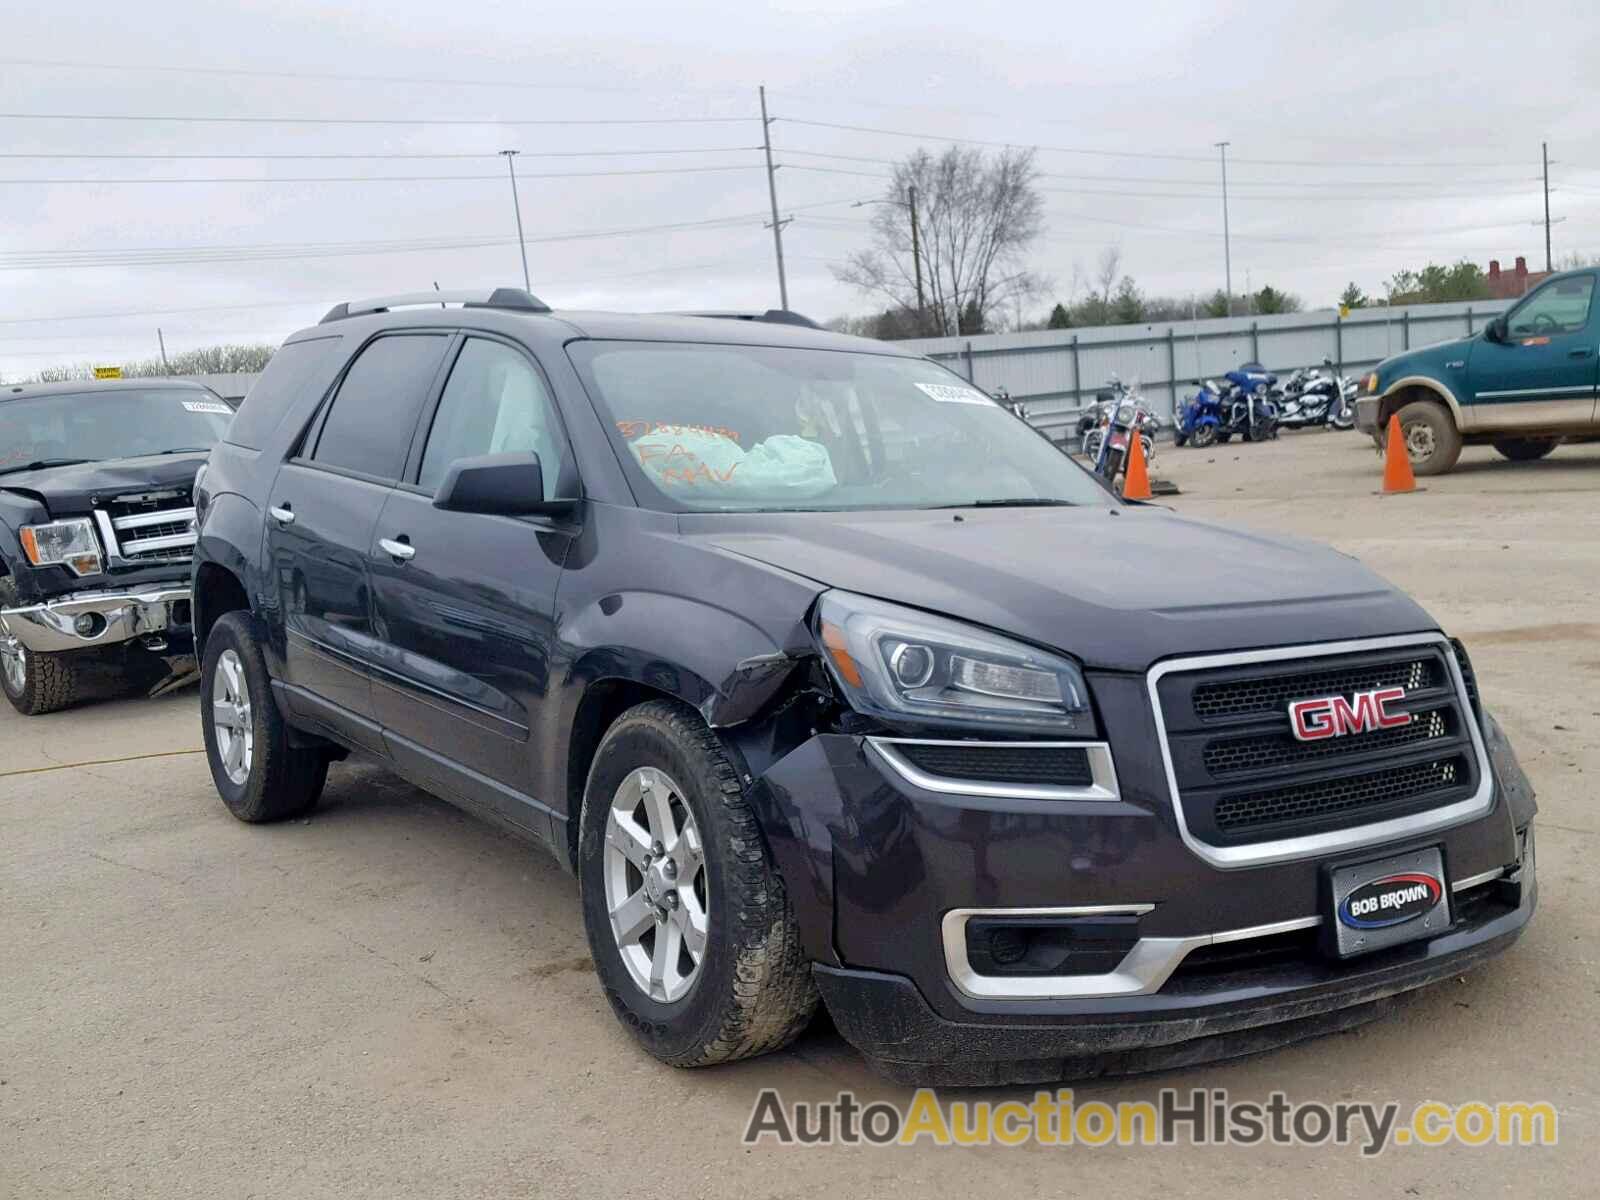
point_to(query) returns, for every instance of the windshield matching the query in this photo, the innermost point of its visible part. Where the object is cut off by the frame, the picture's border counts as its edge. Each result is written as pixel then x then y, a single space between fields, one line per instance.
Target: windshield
pixel 91 426
pixel 711 428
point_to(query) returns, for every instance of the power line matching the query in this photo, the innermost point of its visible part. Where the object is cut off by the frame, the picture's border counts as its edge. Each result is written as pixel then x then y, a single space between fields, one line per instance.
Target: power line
pixel 425 81
pixel 1196 180
pixel 261 179
pixel 274 251
pixel 666 269
pixel 390 156
pixel 1195 158
pixel 194 120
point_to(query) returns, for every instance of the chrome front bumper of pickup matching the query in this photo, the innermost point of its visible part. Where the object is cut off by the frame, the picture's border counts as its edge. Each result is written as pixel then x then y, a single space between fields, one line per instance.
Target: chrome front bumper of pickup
pixel 87 619
pixel 1367 413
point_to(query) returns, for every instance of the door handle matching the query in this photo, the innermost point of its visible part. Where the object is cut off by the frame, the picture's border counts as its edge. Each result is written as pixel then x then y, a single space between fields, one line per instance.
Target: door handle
pixel 1583 353
pixel 403 551
pixel 283 515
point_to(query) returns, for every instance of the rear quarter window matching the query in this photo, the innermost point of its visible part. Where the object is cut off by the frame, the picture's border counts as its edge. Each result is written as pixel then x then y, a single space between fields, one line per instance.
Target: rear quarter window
pixel 299 371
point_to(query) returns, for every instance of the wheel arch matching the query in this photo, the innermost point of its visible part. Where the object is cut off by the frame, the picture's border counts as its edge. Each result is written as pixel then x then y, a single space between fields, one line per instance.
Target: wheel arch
pixel 231 532
pixel 1419 387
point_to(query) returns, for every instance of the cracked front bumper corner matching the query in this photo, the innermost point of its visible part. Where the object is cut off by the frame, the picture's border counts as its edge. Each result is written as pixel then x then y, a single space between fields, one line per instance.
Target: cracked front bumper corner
pixel 112 617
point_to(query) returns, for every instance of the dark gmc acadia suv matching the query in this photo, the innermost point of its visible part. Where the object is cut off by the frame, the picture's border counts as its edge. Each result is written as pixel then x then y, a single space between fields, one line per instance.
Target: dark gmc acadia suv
pixel 828 677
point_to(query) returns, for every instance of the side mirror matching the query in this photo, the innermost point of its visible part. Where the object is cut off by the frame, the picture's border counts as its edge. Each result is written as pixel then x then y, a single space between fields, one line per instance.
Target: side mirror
pixel 506 485
pixel 1495 330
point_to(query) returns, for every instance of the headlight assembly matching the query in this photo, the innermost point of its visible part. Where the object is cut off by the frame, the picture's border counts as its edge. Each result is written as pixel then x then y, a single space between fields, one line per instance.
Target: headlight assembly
pixel 70 544
pixel 904 665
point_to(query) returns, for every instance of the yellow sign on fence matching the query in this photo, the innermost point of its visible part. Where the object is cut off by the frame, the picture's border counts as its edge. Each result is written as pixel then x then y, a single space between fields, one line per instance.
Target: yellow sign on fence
pixel 108 372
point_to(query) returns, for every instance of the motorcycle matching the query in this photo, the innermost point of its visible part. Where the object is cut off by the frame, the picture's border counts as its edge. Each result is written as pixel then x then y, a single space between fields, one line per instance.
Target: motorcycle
pixel 1248 408
pixel 1200 418
pixel 1106 446
pixel 1314 398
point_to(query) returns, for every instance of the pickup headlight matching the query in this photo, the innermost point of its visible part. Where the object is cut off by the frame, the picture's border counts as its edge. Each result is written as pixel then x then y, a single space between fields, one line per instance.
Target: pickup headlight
pixel 1369 385
pixel 901 664
pixel 70 544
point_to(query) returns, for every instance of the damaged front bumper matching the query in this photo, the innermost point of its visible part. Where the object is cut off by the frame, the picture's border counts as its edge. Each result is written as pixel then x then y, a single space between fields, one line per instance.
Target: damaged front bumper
pixel 85 620
pixel 1201 1018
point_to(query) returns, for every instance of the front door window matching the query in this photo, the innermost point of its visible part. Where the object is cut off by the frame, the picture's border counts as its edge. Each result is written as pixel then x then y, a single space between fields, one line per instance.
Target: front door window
pixel 1557 308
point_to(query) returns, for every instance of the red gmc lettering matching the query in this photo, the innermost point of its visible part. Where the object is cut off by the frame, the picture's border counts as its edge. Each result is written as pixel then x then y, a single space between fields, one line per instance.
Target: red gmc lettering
pixel 1334 716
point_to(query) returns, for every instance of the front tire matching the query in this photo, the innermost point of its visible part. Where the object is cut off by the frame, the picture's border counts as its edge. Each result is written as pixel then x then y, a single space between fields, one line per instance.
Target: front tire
pixel 259 774
pixel 1525 449
pixel 34 683
pixel 1204 435
pixel 1433 443
pixel 688 920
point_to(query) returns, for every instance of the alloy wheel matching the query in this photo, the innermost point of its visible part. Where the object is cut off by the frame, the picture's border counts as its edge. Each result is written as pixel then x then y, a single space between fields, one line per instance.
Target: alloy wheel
pixel 231 717
pixel 655 884
pixel 13 661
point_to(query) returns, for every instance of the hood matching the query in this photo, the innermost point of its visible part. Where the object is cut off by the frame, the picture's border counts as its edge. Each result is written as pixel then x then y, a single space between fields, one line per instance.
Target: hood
pixel 1434 356
pixel 71 491
pixel 1117 589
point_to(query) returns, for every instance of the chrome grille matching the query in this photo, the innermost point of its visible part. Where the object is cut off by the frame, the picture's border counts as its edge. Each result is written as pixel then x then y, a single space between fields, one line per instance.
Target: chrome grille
pixel 1242 779
pixel 152 527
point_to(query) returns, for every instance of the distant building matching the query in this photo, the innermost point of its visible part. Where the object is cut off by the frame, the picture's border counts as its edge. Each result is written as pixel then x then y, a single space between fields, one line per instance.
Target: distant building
pixel 1508 285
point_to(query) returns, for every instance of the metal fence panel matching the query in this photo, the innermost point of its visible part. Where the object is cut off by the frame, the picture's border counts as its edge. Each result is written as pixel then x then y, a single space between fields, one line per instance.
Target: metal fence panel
pixel 1057 372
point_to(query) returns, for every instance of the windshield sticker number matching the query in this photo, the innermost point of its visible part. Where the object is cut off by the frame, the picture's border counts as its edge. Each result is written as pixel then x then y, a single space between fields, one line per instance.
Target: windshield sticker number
pixel 947 393
pixel 638 429
pixel 208 406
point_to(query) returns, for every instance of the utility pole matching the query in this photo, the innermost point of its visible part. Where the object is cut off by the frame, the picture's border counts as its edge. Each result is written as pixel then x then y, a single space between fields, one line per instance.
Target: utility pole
pixel 1227 248
pixel 772 194
pixel 916 247
pixel 522 243
pixel 1549 265
pixel 165 366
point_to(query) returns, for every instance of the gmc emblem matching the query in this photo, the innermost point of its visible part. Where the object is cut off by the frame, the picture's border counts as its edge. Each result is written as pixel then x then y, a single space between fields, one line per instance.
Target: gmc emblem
pixel 1334 716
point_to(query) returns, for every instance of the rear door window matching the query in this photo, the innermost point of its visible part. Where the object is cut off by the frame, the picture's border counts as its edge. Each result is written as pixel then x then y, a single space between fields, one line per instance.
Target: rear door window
pixel 374 413
pixel 297 370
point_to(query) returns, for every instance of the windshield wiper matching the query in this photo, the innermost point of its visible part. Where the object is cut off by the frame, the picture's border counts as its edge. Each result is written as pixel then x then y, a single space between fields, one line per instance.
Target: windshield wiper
pixel 1013 502
pixel 40 464
pixel 186 450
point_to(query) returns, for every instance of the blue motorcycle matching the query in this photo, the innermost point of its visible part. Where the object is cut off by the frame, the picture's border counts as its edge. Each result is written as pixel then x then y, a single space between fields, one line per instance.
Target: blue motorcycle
pixel 1200 418
pixel 1248 408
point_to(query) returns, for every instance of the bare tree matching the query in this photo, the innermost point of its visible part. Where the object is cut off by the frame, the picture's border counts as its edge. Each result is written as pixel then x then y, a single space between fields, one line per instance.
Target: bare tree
pixel 206 360
pixel 976 220
pixel 1106 277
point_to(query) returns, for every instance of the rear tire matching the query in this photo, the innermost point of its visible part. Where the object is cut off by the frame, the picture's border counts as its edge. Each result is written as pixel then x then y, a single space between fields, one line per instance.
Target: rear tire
pixel 750 991
pixel 34 683
pixel 1204 435
pixel 259 774
pixel 1433 443
pixel 1525 449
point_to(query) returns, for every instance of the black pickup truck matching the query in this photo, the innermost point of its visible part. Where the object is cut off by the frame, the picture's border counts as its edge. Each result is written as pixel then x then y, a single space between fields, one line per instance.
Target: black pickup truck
pixel 97 532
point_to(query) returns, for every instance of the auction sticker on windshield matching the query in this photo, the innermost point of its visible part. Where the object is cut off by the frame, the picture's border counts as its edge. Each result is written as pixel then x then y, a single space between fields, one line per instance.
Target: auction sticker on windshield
pixel 946 393
pixel 208 406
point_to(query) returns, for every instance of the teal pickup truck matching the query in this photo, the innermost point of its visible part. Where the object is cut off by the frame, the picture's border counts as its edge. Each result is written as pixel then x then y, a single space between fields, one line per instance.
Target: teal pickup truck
pixel 1525 384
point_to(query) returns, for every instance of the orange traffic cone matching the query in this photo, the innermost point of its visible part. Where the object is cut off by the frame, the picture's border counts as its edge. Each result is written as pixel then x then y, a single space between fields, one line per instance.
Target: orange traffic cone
pixel 1136 483
pixel 1397 476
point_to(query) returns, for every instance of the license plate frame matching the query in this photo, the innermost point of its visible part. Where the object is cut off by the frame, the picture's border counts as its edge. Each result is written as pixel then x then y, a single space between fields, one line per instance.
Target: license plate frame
pixel 1381 903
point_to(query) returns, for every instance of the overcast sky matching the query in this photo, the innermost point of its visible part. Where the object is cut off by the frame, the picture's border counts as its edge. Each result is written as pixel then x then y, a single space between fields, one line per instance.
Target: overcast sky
pixel 1419 126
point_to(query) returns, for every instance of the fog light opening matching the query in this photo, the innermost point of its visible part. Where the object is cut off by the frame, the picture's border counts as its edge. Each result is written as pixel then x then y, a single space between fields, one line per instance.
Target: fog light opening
pixel 89 625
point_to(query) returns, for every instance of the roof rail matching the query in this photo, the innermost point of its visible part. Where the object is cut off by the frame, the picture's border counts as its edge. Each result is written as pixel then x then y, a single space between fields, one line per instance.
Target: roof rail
pixel 515 299
pixel 773 316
